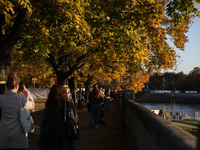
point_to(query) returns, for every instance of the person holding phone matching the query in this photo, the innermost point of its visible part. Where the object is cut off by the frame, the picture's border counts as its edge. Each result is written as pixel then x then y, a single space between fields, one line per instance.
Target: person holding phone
pixel 12 135
pixel 30 105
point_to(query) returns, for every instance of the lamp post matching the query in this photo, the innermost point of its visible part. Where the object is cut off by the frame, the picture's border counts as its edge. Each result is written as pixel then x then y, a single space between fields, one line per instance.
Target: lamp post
pixel 34 80
pixel 65 86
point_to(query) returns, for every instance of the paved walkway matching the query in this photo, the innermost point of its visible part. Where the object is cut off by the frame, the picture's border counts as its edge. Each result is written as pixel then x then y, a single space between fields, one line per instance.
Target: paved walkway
pixel 186 125
pixel 104 138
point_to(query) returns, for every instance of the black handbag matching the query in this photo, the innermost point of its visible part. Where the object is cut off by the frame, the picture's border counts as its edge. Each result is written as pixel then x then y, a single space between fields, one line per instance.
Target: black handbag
pixel 71 122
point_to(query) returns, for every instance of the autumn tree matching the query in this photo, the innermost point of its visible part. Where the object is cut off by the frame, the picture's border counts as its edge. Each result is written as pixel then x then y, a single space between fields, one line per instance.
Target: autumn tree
pixel 14 16
pixel 40 71
pixel 130 33
pixel 114 75
pixel 196 70
pixel 193 80
pixel 181 82
pixel 62 37
pixel 170 80
pixel 155 82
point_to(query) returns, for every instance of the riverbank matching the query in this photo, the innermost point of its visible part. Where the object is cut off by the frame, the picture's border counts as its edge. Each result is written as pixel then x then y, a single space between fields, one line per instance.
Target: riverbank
pixel 186 98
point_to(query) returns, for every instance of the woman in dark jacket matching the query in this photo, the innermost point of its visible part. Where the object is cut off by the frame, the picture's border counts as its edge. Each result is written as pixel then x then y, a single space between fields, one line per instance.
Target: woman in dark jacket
pixel 95 98
pixel 52 129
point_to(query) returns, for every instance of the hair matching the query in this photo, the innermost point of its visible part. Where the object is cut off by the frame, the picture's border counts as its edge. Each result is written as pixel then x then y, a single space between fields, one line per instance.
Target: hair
pixel 57 95
pixel 12 80
pixel 95 91
pixel 160 112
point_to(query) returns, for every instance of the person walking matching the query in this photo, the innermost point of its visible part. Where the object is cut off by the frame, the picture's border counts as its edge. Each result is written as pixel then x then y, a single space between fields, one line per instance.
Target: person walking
pixel 12 135
pixel 107 97
pixel 53 135
pixel 95 98
pixel 80 98
pixel 112 94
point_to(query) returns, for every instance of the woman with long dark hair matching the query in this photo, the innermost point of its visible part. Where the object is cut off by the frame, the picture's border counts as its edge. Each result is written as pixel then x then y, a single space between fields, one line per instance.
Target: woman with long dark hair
pixel 52 133
pixel 95 98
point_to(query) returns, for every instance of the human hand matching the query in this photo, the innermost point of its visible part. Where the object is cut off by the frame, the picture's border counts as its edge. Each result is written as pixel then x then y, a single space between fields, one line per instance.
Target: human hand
pixel 24 88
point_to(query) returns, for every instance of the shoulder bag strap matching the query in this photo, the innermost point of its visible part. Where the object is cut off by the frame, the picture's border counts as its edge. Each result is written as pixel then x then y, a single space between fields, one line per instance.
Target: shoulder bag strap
pixel 65 115
pixel 66 111
pixel 20 103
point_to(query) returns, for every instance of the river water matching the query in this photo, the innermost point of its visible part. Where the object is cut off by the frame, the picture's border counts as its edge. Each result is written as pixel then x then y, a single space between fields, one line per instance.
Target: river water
pixel 190 109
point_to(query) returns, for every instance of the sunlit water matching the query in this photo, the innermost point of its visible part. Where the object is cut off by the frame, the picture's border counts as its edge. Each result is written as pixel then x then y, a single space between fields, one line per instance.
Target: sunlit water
pixel 190 109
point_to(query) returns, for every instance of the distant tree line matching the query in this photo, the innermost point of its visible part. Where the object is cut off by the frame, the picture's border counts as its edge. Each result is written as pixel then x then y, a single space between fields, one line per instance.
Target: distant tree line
pixel 176 81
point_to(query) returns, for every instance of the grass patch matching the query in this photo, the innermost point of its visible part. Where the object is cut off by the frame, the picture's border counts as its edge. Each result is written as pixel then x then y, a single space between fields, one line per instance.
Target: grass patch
pixel 188 121
pixel 39 105
pixel 190 130
pixel 37 117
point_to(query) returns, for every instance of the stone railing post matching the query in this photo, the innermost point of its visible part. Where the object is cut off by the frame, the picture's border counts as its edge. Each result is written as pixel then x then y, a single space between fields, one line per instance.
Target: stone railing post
pixel 126 95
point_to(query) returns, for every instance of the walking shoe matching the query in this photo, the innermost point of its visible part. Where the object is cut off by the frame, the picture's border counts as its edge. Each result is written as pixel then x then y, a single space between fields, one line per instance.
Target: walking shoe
pixel 96 127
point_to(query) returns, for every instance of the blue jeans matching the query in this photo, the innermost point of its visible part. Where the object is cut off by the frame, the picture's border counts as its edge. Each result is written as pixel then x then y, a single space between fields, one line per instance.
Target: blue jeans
pixel 80 105
pixel 96 111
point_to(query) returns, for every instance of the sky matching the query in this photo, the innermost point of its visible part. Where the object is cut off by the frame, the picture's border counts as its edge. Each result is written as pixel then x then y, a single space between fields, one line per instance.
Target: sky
pixel 190 58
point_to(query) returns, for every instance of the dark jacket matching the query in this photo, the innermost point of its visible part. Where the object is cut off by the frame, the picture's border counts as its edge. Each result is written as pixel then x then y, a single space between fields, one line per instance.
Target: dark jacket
pixel 95 98
pixel 51 129
pixel 79 96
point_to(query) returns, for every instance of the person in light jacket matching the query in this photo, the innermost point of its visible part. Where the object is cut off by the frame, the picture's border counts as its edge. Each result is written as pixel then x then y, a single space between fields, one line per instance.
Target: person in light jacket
pixel 12 135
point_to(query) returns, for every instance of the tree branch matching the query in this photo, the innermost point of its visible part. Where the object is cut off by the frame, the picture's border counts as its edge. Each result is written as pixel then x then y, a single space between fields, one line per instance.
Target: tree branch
pixel 79 60
pixel 51 60
pixel 80 66
pixel 19 26
pixel 2 22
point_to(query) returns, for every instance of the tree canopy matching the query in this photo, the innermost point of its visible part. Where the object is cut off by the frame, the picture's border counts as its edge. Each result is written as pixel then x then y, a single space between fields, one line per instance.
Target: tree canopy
pixel 130 33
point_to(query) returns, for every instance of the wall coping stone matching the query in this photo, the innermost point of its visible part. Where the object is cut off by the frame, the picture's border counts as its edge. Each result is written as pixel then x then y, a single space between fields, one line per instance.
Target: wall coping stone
pixel 167 135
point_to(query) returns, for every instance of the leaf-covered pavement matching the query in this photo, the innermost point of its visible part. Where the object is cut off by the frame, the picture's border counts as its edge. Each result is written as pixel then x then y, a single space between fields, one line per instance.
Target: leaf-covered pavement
pixel 104 138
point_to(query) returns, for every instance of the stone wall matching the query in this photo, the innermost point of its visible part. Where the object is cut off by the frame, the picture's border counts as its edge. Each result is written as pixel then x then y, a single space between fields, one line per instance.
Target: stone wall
pixel 150 131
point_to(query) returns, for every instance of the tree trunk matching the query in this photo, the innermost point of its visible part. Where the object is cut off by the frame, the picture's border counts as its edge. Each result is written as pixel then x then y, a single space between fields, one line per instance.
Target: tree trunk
pixel 12 35
pixel 61 78
pixel 87 91
pixel 87 88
